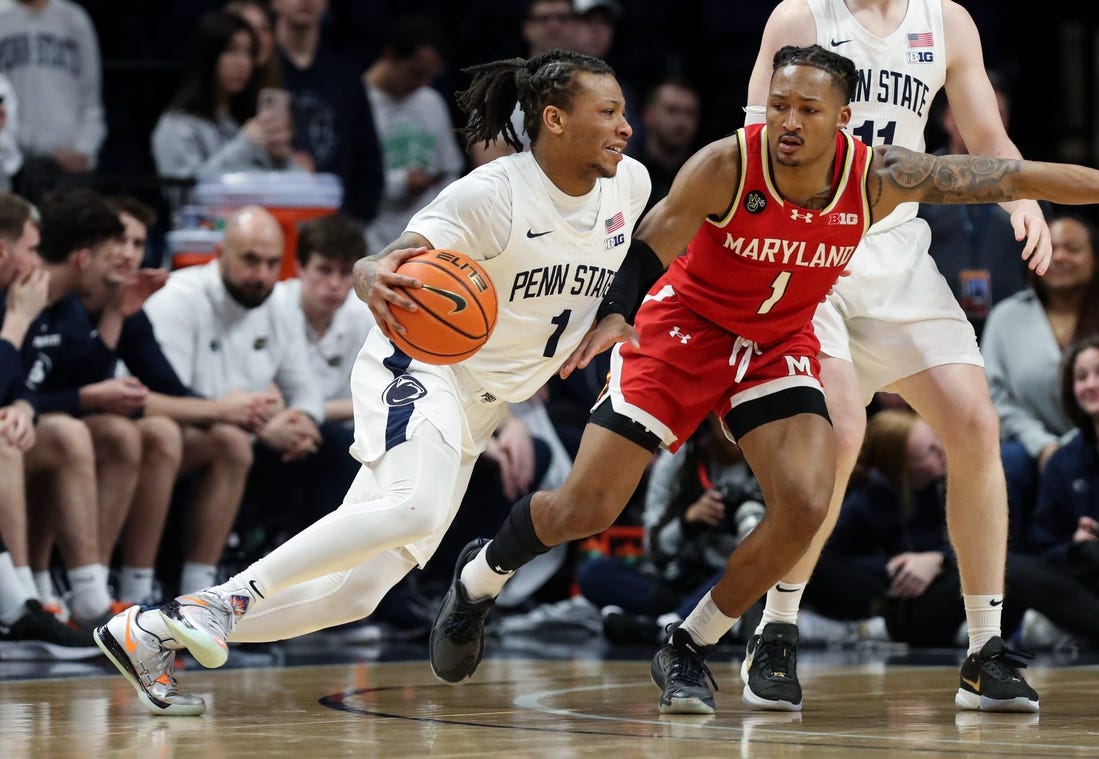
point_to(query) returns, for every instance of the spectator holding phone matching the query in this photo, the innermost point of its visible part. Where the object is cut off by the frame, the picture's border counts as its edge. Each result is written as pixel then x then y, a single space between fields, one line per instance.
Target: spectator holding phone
pixel 212 125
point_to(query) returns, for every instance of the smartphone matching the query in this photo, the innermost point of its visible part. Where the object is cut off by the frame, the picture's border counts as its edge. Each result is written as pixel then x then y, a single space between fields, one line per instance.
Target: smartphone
pixel 273 100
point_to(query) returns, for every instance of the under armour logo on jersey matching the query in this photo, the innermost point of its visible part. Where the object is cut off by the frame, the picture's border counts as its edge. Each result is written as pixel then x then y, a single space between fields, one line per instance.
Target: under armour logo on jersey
pixel 403 391
pixel 796 215
pixel 683 337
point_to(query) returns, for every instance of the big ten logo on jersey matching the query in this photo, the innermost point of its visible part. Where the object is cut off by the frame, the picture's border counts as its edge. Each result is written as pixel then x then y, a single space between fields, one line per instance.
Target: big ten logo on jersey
pixel 848 219
pixel 920 56
pixel 474 275
pixel 614 241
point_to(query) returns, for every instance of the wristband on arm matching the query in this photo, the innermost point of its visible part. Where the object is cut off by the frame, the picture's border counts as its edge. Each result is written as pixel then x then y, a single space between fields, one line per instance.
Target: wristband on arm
pixel 639 270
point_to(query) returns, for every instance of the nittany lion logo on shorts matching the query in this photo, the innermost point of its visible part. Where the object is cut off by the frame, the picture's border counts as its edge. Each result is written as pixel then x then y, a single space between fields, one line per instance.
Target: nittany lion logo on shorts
pixel 403 391
pixel 755 202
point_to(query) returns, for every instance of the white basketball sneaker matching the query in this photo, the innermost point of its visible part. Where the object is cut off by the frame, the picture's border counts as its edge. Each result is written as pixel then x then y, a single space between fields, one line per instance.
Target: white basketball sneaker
pixel 147 663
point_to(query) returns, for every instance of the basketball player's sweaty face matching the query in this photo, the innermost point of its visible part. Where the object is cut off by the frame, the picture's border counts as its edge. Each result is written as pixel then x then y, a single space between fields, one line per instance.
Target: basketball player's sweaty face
pixel 596 128
pixel 805 107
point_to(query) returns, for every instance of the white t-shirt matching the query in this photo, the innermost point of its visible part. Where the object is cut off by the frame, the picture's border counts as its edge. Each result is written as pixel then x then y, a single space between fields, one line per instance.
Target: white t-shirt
pixel 332 354
pixel 216 345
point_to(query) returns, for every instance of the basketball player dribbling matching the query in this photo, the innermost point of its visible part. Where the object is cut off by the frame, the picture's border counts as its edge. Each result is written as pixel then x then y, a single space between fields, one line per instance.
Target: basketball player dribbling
pixel 551 227
pixel 894 322
pixel 770 218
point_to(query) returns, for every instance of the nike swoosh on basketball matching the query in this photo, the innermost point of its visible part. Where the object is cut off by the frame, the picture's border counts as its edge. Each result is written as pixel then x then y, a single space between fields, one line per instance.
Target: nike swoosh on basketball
pixel 836 43
pixel 458 301
pixel 532 234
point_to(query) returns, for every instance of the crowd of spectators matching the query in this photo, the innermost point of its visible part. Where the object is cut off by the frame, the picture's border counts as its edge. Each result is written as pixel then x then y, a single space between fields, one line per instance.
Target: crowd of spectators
pixel 150 422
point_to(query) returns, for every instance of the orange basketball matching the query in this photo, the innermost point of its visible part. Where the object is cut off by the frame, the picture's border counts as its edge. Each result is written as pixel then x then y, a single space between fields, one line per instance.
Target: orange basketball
pixel 457 308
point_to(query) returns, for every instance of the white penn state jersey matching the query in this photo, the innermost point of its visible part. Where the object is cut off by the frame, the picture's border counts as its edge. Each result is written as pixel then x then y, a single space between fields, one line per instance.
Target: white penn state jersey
pixel 899 76
pixel 550 278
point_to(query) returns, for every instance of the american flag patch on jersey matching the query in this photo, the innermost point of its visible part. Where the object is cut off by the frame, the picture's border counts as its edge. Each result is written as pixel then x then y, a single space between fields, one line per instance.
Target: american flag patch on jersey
pixel 923 39
pixel 615 223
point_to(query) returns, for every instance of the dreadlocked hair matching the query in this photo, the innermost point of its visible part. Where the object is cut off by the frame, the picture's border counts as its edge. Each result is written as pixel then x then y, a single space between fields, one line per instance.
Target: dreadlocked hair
pixel 547 79
pixel 842 69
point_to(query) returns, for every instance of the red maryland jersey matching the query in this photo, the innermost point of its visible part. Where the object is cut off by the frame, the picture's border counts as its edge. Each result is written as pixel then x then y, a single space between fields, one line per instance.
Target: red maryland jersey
pixel 761 271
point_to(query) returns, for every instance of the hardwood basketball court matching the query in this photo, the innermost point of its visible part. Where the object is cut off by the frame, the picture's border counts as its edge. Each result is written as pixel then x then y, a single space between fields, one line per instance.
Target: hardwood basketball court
pixel 856 705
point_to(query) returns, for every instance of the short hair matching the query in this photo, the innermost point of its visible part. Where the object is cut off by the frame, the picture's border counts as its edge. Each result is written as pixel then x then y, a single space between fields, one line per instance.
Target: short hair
pixel 127 204
pixel 843 71
pixel 74 218
pixel 14 215
pixel 333 236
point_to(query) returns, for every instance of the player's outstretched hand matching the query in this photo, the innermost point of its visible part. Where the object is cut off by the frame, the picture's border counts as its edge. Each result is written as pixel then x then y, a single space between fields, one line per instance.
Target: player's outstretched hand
pixel 612 329
pixel 379 286
pixel 1030 225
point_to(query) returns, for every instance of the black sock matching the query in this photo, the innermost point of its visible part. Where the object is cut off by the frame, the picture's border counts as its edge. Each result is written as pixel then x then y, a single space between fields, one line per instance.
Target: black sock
pixel 516 543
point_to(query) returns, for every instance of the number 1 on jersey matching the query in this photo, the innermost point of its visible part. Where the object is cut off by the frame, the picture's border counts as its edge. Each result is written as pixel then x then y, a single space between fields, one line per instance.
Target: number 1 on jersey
pixel 778 289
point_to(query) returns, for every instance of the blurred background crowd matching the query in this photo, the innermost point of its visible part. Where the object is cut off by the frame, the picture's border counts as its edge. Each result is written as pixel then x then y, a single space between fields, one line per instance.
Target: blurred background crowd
pixel 158 431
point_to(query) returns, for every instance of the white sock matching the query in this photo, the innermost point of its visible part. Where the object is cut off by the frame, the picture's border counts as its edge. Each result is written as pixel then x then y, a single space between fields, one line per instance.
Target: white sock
pixel 135 584
pixel 706 624
pixel 479 578
pixel 197 577
pixel 783 602
pixel 13 595
pixel 26 577
pixel 90 598
pixel 43 584
pixel 982 615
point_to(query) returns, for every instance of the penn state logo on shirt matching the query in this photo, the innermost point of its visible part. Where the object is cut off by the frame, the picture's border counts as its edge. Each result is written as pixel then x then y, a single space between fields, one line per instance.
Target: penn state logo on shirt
pixel 755 202
pixel 403 391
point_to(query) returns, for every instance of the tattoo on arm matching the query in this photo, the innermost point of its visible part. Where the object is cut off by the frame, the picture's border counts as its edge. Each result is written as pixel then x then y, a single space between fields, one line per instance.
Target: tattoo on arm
pixel 949 179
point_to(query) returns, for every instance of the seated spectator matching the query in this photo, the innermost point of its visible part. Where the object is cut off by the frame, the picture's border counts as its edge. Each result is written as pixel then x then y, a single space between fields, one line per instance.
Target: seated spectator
pixel 699 504
pixel 27 630
pixel 889 553
pixel 335 324
pixel 11 157
pixel 1058 307
pixel 209 425
pixel 221 334
pixel 419 149
pixel 211 125
pixel 61 120
pixel 78 243
pixel 1065 529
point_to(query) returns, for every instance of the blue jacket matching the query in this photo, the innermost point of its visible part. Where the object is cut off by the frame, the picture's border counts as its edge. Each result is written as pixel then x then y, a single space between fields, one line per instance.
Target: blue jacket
pixel 872 526
pixel 1069 489
pixel 63 353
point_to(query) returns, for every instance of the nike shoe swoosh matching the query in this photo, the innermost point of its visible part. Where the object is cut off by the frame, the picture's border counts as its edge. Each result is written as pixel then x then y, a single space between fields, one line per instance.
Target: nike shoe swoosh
pixel 532 234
